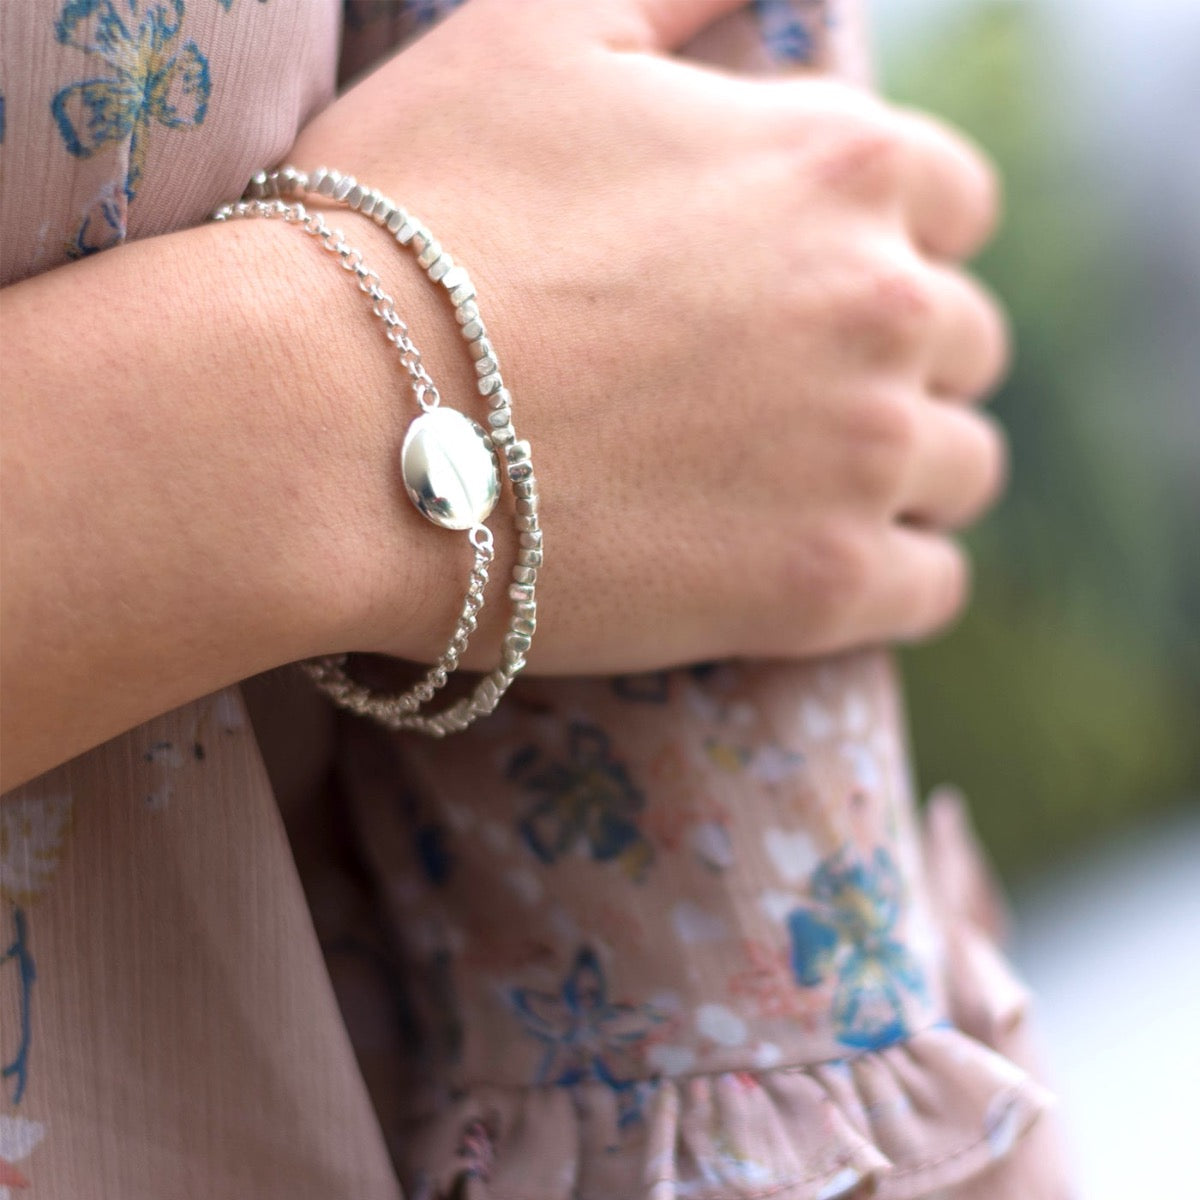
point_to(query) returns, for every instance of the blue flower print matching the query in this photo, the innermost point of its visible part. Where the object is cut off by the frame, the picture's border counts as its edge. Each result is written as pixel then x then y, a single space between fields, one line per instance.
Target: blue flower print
pixel 786 34
pixel 587 1036
pixel 151 79
pixel 588 800
pixel 102 226
pixel 847 936
pixel 15 1071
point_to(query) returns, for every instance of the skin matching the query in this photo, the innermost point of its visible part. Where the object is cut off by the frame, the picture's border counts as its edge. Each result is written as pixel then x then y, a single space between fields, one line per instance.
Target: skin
pixel 730 313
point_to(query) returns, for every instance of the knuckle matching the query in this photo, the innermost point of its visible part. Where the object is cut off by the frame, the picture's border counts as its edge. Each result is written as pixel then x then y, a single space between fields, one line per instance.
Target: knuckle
pixel 829 571
pixel 891 305
pixel 864 157
pixel 881 428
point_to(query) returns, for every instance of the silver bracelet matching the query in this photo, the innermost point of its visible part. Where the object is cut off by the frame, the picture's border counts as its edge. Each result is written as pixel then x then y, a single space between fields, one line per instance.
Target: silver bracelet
pixel 442 447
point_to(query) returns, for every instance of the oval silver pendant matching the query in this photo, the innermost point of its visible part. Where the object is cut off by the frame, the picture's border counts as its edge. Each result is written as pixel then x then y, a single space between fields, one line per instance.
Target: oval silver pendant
pixel 449 469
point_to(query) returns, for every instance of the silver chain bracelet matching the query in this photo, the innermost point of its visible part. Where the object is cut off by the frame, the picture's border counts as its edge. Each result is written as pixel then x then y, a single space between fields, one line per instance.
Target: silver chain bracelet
pixel 448 462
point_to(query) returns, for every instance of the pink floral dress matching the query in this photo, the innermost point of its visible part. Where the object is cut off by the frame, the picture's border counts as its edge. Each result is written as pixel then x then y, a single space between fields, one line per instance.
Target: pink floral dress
pixel 650 938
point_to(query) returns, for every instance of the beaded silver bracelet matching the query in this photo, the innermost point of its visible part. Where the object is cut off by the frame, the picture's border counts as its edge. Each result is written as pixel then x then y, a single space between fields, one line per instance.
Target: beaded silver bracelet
pixel 448 461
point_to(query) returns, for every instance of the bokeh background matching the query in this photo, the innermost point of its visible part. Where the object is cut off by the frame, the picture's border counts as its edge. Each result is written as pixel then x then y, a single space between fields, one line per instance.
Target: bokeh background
pixel 1067 705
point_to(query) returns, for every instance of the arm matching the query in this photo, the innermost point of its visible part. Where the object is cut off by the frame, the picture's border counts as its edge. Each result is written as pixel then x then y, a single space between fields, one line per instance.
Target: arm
pixel 196 436
pixel 728 310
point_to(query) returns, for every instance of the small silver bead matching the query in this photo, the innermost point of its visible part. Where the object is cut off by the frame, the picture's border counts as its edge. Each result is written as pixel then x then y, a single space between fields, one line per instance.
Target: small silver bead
pixel 489 383
pixel 257 187
pixel 463 293
pixel 529 558
pixel 520 591
pixel 527 508
pixel 430 255
pixel 438 676
pixel 519 642
pixel 518 452
pixel 486 366
pixel 480 348
pixel 524 491
pixel 531 539
pixel 524 625
pixel 407 231
pixel 516 472
pixel 354 197
pixel 329 181
pixel 421 238
pixel 454 278
pixel 499 418
pixel 395 220
pixel 526 610
pixel 501 398
pixel 522 574
pixel 317 179
pixel 503 435
pixel 439 268
pixel 467 311
pixel 473 330
pixel 527 523
pixel 345 186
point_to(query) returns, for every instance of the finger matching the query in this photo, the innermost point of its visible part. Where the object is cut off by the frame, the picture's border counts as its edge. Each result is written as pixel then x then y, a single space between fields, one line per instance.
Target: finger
pixel 969 347
pixel 662 25
pixel 960 464
pixel 920 585
pixel 952 191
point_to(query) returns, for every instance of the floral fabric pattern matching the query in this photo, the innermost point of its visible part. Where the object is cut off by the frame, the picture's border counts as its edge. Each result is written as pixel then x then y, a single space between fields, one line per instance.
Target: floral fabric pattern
pixel 152 78
pixel 850 933
pixel 587 1036
pixel 665 937
pixel 586 801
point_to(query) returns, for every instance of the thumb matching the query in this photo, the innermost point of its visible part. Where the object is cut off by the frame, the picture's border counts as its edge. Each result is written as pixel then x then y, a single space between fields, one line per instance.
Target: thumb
pixel 662 25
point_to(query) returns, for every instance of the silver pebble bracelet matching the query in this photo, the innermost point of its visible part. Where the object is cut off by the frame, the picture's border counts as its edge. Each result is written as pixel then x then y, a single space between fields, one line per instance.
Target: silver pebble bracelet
pixel 448 462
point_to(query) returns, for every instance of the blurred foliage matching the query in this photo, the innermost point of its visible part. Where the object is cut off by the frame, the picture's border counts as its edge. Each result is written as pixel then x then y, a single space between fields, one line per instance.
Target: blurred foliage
pixel 1067 702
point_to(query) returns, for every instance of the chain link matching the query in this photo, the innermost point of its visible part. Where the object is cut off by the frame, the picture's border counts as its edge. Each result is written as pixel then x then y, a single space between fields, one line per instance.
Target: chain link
pixel 270 195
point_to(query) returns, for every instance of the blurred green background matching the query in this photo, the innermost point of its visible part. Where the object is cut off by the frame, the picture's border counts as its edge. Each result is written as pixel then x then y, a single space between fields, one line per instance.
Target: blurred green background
pixel 1067 704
